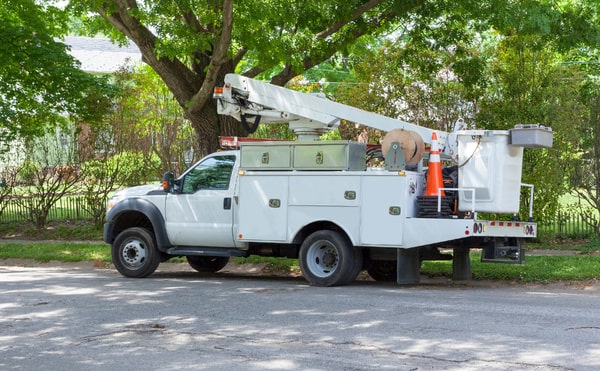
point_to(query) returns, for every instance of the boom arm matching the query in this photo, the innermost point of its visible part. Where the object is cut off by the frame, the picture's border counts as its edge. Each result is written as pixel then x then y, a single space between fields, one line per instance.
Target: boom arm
pixel 308 115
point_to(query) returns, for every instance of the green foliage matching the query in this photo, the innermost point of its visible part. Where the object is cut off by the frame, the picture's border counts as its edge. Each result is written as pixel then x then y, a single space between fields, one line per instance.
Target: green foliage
pixel 99 179
pixel 28 171
pixel 193 44
pixel 59 251
pixel 98 169
pixel 297 34
pixel 63 230
pixel 593 246
pixel 148 120
pixel 427 87
pixel 584 169
pixel 331 135
pixel 273 131
pixel 8 181
pixel 49 175
pixel 491 81
pixel 528 85
pixel 39 80
pixel 542 269
pixel 326 77
pixel 564 25
pixel 135 168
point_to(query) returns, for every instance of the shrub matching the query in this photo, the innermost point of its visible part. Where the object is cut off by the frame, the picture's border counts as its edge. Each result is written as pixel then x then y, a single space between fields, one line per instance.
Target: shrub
pixel 28 172
pixel 135 167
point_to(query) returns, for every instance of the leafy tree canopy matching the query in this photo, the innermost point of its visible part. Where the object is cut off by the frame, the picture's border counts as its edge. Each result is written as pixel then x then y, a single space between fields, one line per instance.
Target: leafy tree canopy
pixel 192 44
pixel 40 83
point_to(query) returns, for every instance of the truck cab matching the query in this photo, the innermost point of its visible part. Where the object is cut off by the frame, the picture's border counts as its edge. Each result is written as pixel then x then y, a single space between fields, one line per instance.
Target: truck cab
pixel 192 216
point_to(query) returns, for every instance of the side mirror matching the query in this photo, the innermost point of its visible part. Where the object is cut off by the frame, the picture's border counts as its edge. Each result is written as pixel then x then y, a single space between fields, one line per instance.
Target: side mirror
pixel 168 181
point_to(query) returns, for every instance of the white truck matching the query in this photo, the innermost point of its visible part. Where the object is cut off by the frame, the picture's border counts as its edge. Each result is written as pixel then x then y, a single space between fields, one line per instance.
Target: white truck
pixel 317 201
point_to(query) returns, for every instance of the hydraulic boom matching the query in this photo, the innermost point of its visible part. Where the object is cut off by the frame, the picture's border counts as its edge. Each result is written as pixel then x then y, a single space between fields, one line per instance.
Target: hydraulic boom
pixel 309 115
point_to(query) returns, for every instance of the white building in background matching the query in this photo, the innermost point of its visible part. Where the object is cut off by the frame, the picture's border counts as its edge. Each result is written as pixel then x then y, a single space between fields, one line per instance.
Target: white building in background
pixel 100 55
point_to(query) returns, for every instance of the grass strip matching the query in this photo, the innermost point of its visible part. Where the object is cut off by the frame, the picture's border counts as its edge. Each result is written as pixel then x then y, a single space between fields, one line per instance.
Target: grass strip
pixel 60 251
pixel 540 269
pixel 274 264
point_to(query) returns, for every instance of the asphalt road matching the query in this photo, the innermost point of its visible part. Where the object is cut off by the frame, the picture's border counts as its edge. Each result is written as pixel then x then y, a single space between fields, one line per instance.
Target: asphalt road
pixel 74 317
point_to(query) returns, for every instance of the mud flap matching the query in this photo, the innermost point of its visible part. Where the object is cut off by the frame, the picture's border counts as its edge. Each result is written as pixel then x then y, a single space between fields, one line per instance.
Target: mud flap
pixel 409 266
pixel 461 264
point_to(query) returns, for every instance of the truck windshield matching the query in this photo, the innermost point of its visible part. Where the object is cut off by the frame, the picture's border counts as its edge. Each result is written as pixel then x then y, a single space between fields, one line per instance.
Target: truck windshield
pixel 212 173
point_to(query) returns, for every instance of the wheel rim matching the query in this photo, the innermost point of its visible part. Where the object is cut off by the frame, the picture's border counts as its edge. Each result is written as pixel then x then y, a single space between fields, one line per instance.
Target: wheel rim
pixel 322 258
pixel 134 253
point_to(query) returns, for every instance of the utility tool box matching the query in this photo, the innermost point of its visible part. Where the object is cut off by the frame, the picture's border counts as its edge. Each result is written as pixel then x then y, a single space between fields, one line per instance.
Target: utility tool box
pixel 334 155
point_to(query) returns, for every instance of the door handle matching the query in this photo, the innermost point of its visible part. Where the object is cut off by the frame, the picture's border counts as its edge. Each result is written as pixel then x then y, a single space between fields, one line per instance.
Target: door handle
pixel 227 203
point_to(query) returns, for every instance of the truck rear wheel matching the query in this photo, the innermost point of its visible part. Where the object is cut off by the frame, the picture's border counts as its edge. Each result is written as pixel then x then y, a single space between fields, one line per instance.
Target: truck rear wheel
pixel 207 264
pixel 383 270
pixel 327 258
pixel 134 253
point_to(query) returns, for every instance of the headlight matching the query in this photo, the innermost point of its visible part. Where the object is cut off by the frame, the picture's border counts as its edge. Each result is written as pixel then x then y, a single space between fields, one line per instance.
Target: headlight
pixel 113 201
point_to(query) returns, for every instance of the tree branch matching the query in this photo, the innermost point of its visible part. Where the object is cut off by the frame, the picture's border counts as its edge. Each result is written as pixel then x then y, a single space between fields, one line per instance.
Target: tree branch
pixel 219 57
pixel 357 13
pixel 237 58
pixel 188 15
pixel 284 76
pixel 317 56
pixel 253 72
pixel 175 74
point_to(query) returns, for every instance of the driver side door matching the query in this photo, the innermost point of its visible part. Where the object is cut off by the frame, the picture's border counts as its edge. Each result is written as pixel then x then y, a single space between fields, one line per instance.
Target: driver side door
pixel 201 213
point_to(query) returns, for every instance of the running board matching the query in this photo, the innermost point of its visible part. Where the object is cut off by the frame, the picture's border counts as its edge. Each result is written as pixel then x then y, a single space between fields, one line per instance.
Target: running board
pixel 205 251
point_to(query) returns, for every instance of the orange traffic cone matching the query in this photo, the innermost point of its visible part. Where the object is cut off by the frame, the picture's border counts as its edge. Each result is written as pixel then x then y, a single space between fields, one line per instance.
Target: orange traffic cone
pixel 435 180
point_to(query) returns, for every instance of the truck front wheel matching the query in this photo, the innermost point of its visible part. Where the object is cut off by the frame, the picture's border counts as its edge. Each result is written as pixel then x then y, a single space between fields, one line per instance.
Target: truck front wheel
pixel 327 258
pixel 134 253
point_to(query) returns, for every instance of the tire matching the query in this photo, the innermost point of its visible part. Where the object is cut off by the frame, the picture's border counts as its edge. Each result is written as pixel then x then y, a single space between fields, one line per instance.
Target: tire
pixel 207 264
pixel 134 253
pixel 383 270
pixel 327 258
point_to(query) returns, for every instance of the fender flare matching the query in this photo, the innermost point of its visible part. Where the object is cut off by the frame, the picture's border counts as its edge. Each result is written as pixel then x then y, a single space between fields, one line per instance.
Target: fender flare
pixel 144 207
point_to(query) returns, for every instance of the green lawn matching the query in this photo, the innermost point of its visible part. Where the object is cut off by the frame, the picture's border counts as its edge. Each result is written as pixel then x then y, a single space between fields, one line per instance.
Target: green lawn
pixel 60 251
pixel 64 230
pixel 542 269
pixel 62 242
pixel 536 269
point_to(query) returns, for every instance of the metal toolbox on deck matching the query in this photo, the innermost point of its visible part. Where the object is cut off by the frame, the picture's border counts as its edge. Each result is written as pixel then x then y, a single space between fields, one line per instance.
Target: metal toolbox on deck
pixel 330 155
pixel 334 155
pixel 261 156
pixel 531 136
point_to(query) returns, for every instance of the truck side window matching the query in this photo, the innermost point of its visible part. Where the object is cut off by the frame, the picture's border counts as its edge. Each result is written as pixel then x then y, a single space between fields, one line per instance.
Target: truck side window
pixel 212 173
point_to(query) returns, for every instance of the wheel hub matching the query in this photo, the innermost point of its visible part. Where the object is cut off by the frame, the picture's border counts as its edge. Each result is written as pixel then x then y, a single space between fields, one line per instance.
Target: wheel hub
pixel 134 253
pixel 328 259
pixel 322 259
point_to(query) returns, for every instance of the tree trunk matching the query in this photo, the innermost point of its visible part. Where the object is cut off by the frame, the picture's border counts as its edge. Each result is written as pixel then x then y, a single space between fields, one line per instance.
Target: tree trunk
pixel 209 126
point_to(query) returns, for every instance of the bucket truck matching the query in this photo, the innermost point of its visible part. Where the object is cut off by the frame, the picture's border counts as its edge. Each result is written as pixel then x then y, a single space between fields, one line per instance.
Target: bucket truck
pixel 317 201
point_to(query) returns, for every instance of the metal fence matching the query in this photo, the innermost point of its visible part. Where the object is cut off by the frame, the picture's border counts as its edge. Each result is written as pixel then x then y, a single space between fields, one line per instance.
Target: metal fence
pixel 73 207
pixel 70 207
pixel 569 224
